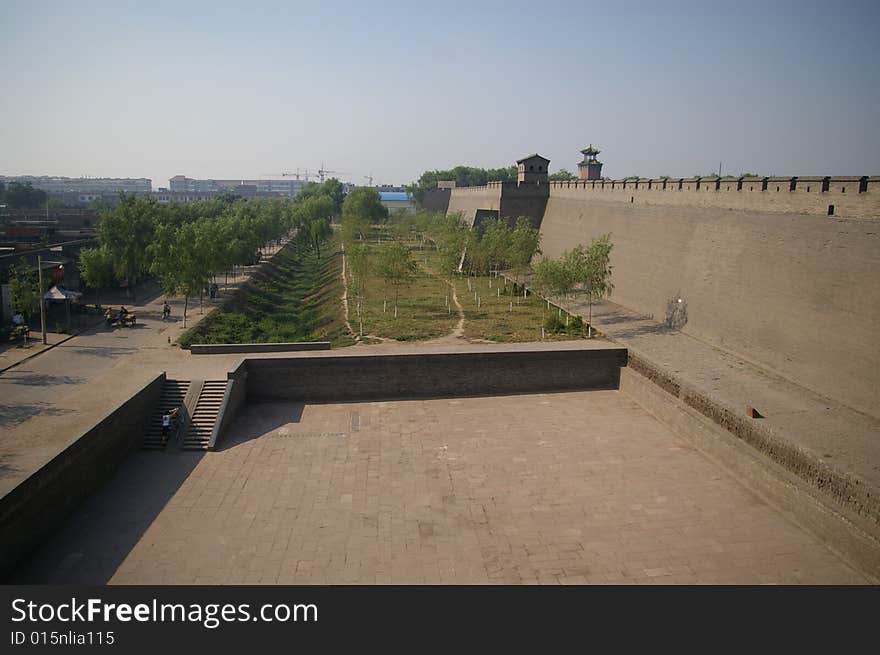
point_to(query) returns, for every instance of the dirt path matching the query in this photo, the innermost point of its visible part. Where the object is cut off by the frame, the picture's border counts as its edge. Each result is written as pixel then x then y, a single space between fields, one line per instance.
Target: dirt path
pixel 454 336
pixel 345 295
pixel 457 332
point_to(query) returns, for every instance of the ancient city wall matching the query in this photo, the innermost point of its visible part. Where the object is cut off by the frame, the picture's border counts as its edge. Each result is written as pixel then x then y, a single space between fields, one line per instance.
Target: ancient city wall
pixel 766 275
pixel 851 197
pixel 468 200
pixel 436 200
pixel 528 200
pixel 509 199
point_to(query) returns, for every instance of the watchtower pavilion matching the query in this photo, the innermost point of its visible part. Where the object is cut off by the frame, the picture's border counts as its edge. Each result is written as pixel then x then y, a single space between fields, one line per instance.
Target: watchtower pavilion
pixel 590 168
pixel 532 169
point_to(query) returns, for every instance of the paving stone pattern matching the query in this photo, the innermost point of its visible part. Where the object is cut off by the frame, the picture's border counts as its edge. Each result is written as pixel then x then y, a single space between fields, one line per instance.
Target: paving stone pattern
pixel 572 488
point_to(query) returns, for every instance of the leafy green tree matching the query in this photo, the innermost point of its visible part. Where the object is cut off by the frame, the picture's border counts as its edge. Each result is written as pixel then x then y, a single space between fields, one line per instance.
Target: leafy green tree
pixel 331 188
pixel 96 269
pixel 312 217
pixel 181 260
pixel 397 268
pixel 592 270
pixel 24 196
pixel 422 225
pixel 463 176
pixel 402 225
pixel 561 175
pixel 524 244
pixel 24 287
pixel 497 238
pixel 319 232
pixel 358 257
pixel 126 233
pixel 599 284
pixel 452 236
pixel 554 277
pixel 361 209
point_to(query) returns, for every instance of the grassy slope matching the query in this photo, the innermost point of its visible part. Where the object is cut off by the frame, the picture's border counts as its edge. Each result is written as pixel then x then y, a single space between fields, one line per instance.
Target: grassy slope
pixel 295 298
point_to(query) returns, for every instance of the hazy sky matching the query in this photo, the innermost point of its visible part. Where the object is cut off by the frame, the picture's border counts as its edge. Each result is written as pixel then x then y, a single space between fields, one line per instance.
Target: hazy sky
pixel 244 89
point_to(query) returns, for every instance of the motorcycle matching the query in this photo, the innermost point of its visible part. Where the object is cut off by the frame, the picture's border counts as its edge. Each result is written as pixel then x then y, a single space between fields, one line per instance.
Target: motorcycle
pixel 112 320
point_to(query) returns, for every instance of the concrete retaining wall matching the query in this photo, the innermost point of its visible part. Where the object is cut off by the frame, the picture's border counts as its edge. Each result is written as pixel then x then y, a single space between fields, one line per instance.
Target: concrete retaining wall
pixel 373 377
pixel 227 348
pixel 795 293
pixel 838 508
pixel 41 503
pixel 234 397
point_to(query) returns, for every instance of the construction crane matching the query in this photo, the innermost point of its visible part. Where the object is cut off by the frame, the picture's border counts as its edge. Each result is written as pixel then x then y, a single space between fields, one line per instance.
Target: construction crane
pixel 306 175
pixel 369 178
pixel 298 175
pixel 322 171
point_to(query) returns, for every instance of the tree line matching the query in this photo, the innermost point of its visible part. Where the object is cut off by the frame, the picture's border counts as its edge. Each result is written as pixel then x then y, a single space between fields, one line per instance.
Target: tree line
pixel 21 195
pixel 463 176
pixel 500 245
pixel 582 271
pixel 496 245
pixel 185 245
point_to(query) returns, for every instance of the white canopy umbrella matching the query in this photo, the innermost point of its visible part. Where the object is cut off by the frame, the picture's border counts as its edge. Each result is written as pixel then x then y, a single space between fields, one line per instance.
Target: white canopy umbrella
pixel 59 293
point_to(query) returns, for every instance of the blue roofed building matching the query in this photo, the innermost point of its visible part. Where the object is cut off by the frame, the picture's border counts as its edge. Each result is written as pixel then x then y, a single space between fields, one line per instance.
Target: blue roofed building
pixel 397 200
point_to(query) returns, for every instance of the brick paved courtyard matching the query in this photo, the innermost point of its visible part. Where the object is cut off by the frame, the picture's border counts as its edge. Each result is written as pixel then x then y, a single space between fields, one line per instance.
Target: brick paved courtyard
pixel 567 488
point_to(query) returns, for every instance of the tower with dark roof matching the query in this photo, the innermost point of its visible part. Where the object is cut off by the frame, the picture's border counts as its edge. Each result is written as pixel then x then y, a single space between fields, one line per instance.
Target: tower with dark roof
pixel 590 168
pixel 532 169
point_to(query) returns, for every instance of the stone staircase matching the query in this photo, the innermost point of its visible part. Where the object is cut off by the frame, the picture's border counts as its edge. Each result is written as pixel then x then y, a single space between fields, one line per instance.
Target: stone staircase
pixel 173 394
pixel 198 436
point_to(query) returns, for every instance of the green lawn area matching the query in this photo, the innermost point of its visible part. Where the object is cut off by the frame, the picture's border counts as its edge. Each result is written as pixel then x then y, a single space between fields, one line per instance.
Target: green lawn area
pixel 295 298
pixel 501 318
pixel 421 310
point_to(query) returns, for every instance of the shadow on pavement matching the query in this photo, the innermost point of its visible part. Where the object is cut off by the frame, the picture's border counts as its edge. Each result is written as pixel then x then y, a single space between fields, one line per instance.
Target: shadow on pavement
pixel 99 535
pixel 102 351
pixel 258 419
pixel 41 380
pixel 14 414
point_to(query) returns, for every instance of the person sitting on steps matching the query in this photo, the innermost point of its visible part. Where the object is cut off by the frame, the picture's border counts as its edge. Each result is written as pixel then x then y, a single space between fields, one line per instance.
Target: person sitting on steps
pixel 168 419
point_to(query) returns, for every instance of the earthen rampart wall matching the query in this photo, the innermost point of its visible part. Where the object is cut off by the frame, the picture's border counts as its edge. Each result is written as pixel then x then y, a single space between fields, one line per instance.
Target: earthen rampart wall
pixel 796 293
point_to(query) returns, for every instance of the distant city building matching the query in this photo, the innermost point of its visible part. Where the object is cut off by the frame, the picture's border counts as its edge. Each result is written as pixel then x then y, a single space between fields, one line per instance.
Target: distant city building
pixel 183 184
pixel 246 191
pixel 87 186
pixel 396 200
